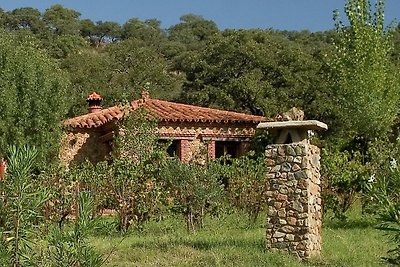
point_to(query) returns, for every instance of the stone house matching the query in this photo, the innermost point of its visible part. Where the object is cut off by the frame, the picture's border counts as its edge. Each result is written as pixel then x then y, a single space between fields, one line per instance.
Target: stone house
pixel 188 127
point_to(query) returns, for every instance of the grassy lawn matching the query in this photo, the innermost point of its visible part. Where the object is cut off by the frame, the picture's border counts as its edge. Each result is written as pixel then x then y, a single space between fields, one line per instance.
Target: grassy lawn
pixel 232 241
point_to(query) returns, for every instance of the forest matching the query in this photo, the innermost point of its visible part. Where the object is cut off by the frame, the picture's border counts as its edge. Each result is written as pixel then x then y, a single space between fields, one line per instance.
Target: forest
pixel 50 61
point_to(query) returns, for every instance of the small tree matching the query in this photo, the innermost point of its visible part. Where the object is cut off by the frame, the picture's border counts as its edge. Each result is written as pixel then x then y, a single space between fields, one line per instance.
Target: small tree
pixel 132 181
pixel 194 189
pixel 364 81
pixel 381 193
pixel 32 97
pixel 246 185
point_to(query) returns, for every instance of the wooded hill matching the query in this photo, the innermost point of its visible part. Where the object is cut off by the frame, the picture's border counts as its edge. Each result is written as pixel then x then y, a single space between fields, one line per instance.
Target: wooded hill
pixel 259 71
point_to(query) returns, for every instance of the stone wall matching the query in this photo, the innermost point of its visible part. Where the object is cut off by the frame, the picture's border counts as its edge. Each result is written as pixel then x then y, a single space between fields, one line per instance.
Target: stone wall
pixel 77 147
pixel 294 202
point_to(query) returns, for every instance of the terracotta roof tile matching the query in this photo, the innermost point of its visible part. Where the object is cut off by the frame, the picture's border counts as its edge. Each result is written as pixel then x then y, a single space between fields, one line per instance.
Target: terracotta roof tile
pixel 164 111
pixel 170 111
pixel 95 119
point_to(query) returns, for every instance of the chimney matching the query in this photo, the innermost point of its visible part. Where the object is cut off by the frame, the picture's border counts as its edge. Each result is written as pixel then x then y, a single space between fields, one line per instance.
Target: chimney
pixel 94 101
pixel 145 94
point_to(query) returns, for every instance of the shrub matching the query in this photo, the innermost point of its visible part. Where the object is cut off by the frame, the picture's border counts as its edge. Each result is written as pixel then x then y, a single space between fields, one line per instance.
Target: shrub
pixel 194 189
pixel 21 201
pixel 246 185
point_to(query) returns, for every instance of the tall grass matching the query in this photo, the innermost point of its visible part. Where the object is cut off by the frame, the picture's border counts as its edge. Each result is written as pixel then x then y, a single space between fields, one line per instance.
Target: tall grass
pixel 231 240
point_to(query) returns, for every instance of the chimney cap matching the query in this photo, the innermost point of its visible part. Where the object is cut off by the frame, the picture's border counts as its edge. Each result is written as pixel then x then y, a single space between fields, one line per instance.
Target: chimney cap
pixel 94 101
pixel 94 97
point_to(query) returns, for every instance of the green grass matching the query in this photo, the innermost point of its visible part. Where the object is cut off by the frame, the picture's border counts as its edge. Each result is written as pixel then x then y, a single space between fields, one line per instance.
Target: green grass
pixel 232 241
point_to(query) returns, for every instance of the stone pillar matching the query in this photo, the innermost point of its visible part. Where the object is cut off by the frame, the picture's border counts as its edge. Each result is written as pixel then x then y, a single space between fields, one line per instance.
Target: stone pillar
pixel 294 201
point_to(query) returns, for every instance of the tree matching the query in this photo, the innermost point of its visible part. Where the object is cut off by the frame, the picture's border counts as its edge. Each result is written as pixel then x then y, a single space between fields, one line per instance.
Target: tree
pixel 26 18
pixel 88 70
pixel 32 96
pixel 135 66
pixel 363 77
pixel 148 31
pixel 252 71
pixel 132 179
pixel 61 20
pixel 193 31
pixel 107 30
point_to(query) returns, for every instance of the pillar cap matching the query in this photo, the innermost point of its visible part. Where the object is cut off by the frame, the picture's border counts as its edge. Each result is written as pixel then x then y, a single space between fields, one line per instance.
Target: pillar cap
pixel 304 125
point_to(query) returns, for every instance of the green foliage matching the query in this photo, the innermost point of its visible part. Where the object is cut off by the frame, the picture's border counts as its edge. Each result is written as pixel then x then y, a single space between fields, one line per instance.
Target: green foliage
pixel 132 184
pixel 343 174
pixel 149 31
pixel 255 71
pixel 246 185
pixel 229 240
pixel 135 66
pixel 32 97
pixel 68 245
pixel 26 18
pixel 384 200
pixel 194 190
pixel 381 194
pixel 21 202
pixel 363 76
pixel 193 31
pixel 61 20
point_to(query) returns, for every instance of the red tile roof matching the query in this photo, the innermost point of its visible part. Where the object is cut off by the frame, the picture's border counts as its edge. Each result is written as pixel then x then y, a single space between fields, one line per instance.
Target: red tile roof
pixel 177 112
pixel 164 111
pixel 95 119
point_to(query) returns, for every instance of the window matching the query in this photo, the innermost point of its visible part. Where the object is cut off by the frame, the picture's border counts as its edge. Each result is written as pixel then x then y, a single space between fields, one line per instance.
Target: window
pixel 173 149
pixel 223 148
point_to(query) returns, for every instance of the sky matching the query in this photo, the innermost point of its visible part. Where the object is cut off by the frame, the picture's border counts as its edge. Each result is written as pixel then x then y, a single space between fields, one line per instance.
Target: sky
pixel 312 15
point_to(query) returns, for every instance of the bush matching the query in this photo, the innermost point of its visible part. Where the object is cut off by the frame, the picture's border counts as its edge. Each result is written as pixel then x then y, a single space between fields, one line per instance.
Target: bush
pixel 193 189
pixel 381 192
pixel 343 174
pixel 246 184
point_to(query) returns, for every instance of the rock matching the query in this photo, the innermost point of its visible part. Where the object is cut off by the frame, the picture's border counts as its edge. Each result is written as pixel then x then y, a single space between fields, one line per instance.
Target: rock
pixel 286 166
pixel 292 221
pixel 297 159
pixel 281 151
pixel 276 168
pixel 300 175
pixel 287 229
pixel 297 206
pixel 290 237
pixel 295 168
pixel 280 160
pixel 282 213
pixel 290 151
pixel 300 150
pixel 281 197
pixel 278 234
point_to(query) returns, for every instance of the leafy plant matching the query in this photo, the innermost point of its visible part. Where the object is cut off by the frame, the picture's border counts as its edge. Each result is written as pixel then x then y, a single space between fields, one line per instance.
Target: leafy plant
pixel 68 245
pixel 21 203
pixel 381 194
pixel 343 175
pixel 194 189
pixel 362 74
pixel 246 185
pixel 132 184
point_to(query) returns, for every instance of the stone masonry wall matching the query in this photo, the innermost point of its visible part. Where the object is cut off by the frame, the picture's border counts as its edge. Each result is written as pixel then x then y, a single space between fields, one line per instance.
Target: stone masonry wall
pixel 294 202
